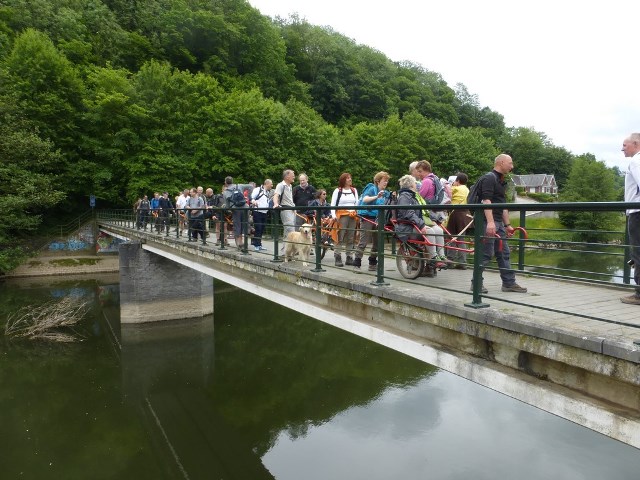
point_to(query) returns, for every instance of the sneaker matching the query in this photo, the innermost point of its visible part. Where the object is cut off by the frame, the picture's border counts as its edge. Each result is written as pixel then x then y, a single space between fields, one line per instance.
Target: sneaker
pixel 631 300
pixel 483 289
pixel 460 266
pixel 514 288
pixel 339 262
pixel 349 261
pixel 262 249
pixel 373 268
pixel 257 249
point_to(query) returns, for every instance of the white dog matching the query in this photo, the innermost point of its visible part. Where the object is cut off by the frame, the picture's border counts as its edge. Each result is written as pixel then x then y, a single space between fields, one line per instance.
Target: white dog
pixel 300 243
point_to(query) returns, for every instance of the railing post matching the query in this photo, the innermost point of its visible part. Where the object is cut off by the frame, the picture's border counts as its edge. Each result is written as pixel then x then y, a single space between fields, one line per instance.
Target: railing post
pixel 478 236
pixel 380 242
pixel 223 235
pixel 318 239
pixel 521 243
pixel 275 231
pixel 245 230
pixel 626 269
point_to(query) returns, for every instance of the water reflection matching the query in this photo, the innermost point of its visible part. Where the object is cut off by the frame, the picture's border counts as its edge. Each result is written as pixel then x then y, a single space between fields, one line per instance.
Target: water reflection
pixel 261 392
pixel 596 266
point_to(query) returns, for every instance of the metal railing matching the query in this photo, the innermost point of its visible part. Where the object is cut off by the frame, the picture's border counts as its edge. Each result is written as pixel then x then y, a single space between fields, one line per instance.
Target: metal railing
pixel 168 223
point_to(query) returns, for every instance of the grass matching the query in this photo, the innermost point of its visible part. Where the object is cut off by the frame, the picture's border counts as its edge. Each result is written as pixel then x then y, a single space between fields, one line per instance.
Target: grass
pixel 552 230
pixel 74 262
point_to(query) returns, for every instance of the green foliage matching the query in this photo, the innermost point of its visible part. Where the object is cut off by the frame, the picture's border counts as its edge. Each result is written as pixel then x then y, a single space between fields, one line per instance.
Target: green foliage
pixel 532 152
pixel 135 97
pixel 589 181
pixel 541 197
pixel 27 191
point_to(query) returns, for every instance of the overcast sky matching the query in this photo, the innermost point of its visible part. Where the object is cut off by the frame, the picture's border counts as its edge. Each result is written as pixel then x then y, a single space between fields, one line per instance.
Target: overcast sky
pixel 566 69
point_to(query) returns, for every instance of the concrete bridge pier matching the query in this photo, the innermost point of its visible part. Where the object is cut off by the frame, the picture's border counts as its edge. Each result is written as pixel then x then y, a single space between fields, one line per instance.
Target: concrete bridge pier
pixel 153 288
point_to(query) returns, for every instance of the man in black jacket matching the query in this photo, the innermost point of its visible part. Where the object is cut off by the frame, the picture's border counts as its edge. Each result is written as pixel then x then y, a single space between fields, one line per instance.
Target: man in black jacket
pixel 165 209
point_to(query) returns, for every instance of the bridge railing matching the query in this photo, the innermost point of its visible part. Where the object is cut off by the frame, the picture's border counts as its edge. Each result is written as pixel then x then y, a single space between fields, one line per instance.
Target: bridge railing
pixel 534 253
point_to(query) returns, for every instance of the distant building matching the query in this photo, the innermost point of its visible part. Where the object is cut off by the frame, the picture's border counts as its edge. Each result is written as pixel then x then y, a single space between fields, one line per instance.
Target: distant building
pixel 537 183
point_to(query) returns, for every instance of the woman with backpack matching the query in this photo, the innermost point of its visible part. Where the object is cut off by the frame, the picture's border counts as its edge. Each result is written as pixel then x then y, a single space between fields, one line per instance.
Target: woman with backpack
pixel 344 200
pixel 375 193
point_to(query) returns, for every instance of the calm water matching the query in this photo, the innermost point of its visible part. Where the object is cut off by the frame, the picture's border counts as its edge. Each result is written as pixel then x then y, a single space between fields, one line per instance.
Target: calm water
pixel 259 392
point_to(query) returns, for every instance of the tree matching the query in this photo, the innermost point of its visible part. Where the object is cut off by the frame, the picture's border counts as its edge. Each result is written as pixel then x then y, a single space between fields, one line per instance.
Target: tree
pixel 26 190
pixel 589 181
pixel 533 152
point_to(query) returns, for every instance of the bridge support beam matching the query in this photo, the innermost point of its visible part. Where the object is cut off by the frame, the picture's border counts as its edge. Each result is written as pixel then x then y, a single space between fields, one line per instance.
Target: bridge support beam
pixel 153 288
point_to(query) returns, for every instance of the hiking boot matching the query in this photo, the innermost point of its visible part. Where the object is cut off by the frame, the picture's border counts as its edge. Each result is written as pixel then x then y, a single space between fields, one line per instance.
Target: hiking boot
pixel 339 261
pixel 357 262
pixel 349 260
pixel 631 300
pixel 482 289
pixel 514 288
pixel 373 263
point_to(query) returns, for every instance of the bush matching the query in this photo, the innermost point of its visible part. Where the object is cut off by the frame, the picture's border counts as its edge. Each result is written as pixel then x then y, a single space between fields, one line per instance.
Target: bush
pixel 542 197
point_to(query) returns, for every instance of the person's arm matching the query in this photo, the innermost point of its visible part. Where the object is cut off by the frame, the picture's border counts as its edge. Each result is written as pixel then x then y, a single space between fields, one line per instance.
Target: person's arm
pixel 276 197
pixel 334 201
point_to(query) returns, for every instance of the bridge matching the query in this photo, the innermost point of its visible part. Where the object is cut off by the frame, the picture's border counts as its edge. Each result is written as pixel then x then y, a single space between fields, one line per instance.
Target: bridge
pixel 570 348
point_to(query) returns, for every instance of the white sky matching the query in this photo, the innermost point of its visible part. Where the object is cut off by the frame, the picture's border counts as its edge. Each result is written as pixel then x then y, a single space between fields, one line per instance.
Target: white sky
pixel 567 69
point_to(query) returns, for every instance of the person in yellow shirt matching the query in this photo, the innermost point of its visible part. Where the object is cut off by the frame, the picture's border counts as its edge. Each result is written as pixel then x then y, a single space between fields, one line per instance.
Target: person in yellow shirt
pixel 459 219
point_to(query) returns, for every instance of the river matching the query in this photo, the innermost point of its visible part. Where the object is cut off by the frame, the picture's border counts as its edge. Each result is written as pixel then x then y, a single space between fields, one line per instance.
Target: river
pixel 258 391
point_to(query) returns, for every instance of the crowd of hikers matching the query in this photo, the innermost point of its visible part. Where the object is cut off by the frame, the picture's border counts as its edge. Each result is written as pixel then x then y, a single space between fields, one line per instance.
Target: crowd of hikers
pixel 349 218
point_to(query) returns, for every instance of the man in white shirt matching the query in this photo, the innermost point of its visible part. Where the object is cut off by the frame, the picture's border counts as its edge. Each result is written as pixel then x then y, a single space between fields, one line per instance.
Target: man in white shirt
pixel 181 202
pixel 260 198
pixel 631 149
pixel 284 197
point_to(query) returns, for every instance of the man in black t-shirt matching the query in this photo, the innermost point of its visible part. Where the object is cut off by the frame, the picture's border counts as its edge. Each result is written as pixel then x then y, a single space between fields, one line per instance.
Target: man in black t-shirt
pixel 493 190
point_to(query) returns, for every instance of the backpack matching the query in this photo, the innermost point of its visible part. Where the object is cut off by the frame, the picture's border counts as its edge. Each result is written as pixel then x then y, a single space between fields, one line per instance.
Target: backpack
pixel 391 214
pixel 439 195
pixel 236 199
pixel 475 190
pixel 366 191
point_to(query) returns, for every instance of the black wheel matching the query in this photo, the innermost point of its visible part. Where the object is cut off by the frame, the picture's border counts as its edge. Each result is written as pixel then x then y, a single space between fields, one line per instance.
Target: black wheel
pixel 410 261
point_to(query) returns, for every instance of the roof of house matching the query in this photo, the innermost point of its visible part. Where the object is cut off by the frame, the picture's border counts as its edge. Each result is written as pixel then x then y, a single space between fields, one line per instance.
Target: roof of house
pixel 535 180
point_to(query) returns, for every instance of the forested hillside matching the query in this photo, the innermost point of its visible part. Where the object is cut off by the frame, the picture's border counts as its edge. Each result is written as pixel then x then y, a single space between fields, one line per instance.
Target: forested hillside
pixel 118 98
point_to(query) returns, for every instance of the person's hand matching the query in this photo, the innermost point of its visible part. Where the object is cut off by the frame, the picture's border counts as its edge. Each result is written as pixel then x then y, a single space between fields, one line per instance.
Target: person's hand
pixel 510 230
pixel 424 230
pixel 491 229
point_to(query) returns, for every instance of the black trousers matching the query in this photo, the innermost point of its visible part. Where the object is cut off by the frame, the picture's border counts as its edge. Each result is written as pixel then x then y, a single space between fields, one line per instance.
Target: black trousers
pixel 633 222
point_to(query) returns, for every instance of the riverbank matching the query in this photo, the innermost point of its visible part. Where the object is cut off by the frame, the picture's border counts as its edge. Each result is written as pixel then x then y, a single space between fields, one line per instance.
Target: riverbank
pixel 77 265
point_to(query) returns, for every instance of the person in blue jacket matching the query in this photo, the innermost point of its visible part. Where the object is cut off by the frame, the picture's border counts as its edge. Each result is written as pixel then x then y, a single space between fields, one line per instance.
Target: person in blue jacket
pixel 375 193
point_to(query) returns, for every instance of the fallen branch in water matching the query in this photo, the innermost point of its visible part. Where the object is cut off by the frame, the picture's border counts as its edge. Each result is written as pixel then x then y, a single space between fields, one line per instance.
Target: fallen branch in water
pixel 46 321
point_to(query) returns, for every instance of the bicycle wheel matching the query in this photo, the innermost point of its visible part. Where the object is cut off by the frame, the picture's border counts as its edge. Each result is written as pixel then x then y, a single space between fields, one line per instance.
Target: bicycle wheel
pixel 410 261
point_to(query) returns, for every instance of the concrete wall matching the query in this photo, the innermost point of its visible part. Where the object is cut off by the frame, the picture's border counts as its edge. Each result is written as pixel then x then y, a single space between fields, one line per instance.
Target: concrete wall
pixel 153 288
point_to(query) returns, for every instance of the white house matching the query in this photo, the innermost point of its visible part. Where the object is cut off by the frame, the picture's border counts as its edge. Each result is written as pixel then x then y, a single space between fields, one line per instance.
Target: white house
pixel 536 183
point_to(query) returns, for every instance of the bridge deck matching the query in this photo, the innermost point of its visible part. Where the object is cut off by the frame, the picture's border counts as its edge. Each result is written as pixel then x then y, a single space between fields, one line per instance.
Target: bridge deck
pixel 583 315
pixel 579 311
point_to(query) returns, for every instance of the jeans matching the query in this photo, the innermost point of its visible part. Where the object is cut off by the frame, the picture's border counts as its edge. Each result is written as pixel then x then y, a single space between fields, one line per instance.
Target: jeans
pixel 259 222
pixel 491 248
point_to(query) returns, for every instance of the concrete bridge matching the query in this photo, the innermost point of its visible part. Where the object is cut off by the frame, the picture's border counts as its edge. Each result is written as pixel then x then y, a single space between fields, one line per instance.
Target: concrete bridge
pixel 569 348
